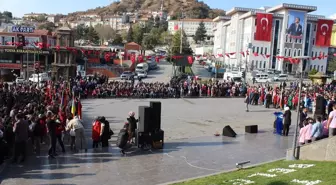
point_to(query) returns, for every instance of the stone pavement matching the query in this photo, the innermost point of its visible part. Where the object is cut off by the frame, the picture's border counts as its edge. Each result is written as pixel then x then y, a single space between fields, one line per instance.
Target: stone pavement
pixel 183 156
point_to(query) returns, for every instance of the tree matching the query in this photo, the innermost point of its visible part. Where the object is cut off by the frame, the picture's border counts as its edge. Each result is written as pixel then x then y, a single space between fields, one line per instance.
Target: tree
pixel 200 33
pixel 129 37
pixel 176 44
pixel 41 18
pixel 92 35
pixel 81 32
pixel 312 72
pixel 138 33
pixel 332 65
pixel 105 32
pixel 165 38
pixel 7 14
pixel 47 26
pixel 151 40
pixel 117 40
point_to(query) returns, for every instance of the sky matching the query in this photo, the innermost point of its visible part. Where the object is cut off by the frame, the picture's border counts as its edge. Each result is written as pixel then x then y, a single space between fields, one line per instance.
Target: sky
pixel 20 7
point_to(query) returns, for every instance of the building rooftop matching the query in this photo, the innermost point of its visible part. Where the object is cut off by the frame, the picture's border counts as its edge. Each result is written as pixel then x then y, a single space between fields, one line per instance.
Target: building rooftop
pixel 220 18
pixel 193 20
pixel 292 6
pixel 241 9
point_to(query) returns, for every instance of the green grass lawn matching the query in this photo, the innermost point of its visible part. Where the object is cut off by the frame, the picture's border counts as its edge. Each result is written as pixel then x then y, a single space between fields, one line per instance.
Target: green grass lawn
pixel 323 171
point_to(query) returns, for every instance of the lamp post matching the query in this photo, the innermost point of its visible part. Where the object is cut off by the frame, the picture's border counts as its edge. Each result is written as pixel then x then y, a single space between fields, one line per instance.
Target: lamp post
pixel 294 157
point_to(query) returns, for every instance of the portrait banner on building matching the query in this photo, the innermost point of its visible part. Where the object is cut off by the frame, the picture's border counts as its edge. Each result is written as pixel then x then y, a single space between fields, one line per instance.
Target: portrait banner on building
pixel 323 32
pixel 295 25
pixel 264 27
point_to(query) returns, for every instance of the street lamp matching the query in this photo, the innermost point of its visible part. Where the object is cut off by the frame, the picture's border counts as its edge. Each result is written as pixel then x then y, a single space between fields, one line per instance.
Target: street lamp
pixel 293 157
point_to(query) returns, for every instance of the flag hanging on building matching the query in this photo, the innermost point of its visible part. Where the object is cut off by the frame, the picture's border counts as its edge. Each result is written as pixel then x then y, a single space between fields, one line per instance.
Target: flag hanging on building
pixel 264 27
pixel 176 27
pixel 323 32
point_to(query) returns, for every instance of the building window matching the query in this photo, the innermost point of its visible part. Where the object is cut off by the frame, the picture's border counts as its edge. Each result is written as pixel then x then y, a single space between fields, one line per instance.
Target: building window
pixel 314 66
pixel 299 52
pixel 265 50
pixel 261 50
pixel 294 54
pixel 290 39
pixel 8 39
pixel 300 41
pixel 257 49
pixel 315 55
pixel 256 64
pixel 264 64
pixel 289 52
pixel 260 63
pixel 312 54
pixel 255 22
pixel 313 41
pixel 322 69
pixel 318 68
pixel 310 67
pixel 252 63
pixel 253 49
pixel 315 27
pixel 286 38
pixel 285 51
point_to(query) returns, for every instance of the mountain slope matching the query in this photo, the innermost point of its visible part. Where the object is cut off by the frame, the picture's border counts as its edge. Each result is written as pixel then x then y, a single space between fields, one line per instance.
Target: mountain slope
pixel 191 8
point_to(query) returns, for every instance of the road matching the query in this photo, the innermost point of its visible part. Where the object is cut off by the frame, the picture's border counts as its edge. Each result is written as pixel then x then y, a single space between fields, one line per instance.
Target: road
pixel 190 149
pixel 200 71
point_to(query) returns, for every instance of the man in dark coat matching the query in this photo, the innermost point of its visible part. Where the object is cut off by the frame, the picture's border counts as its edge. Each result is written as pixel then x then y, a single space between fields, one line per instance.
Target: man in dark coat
pixel 268 100
pixel 287 121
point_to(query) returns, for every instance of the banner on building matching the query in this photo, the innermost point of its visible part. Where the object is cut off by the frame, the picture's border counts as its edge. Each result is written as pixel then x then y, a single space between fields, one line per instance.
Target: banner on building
pixel 264 27
pixel 25 51
pixel 323 32
pixel 295 24
pixel 10 66
pixel 333 36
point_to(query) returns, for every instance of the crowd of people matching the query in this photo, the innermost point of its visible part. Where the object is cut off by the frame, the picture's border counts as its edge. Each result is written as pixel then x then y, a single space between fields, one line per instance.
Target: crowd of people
pixel 52 113
pixel 316 100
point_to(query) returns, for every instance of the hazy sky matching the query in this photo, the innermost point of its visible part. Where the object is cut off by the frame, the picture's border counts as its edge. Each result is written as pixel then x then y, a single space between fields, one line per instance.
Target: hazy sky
pixel 20 7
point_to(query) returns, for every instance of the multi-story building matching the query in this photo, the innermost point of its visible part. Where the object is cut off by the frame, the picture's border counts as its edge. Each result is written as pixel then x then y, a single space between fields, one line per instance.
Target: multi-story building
pixel 235 34
pixel 33 15
pixel 54 18
pixel 21 59
pixel 190 26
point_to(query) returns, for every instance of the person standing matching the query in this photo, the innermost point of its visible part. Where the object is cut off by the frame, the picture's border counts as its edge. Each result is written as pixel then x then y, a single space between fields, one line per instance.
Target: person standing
pixel 317 130
pixel 105 136
pixel 21 132
pixel 52 127
pixel 77 126
pixel 303 116
pixel 287 121
pixel 331 124
pixel 132 125
pixel 97 131
pixel 268 100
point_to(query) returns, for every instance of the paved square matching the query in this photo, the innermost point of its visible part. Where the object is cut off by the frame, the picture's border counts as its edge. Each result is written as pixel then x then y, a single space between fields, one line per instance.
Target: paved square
pixel 190 148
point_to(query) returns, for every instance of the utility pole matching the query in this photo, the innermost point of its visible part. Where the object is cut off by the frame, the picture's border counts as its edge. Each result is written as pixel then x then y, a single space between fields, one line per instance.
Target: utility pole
pixel 181 36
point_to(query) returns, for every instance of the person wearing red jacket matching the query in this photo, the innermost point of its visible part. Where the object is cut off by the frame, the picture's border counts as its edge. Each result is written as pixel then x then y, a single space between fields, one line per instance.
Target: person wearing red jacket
pixel 97 131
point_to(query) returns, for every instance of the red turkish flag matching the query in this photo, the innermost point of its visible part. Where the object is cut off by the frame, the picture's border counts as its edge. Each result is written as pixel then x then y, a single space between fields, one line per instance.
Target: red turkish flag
pixel 255 54
pixel 226 54
pixel 264 27
pixel 157 59
pixel 107 57
pixel 190 60
pixel 140 59
pixel 176 27
pixel 133 59
pixel 323 32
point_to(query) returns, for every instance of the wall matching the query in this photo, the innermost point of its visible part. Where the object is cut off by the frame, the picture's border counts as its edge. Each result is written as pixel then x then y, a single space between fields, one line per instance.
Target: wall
pixel 323 150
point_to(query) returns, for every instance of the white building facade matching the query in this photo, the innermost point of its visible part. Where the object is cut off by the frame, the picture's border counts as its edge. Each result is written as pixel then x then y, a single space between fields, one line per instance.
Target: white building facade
pixel 234 34
pixel 190 26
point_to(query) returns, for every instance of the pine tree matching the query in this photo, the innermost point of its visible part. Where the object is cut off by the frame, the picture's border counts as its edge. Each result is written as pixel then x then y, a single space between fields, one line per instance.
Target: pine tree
pixel 129 37
pixel 186 50
pixel 92 35
pixel 200 33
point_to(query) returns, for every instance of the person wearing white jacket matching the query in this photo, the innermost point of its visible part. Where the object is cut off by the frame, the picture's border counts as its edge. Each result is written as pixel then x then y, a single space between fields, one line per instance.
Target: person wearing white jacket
pixel 76 125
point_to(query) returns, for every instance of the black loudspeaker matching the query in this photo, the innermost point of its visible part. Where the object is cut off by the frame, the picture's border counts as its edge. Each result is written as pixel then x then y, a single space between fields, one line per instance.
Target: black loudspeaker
pixel 156 116
pixel 143 138
pixel 253 129
pixel 228 131
pixel 145 118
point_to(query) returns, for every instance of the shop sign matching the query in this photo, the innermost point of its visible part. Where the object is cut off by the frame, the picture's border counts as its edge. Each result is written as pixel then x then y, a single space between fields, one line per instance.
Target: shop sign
pixel 26 51
pixel 23 29
pixel 10 66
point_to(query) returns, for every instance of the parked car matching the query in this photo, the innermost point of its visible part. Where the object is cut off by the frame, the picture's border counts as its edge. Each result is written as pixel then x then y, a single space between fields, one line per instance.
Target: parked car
pixel 281 77
pixel 142 67
pixel 127 75
pixel 141 74
pixel 262 78
pixel 19 80
pixel 41 77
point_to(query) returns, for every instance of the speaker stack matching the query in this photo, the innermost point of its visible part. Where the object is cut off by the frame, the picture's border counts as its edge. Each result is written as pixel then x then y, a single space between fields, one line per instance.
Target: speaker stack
pixel 149 127
pixel 252 129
